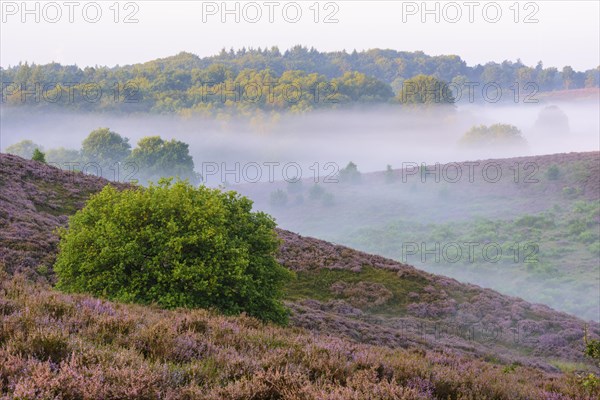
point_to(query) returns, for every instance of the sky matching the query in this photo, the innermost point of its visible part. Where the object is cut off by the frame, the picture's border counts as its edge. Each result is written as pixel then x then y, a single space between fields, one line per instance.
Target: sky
pixel 88 33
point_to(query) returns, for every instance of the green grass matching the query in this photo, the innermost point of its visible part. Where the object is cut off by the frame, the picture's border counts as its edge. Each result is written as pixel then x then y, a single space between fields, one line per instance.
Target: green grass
pixel 317 285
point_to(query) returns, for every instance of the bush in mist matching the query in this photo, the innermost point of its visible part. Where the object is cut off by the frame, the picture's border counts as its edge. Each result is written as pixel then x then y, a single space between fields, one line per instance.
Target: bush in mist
pixel 350 173
pixel 38 156
pixel 177 246
pixel 24 149
pixel 328 200
pixel 553 172
pixel 390 175
pixel 425 90
pixel 105 147
pixel 64 157
pixel 156 158
pixel 294 187
pixel 494 135
pixel 316 192
pixel 278 198
pixel 552 120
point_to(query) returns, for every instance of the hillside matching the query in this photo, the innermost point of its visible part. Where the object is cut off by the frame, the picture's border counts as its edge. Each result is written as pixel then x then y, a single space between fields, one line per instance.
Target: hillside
pixel 546 205
pixel 361 324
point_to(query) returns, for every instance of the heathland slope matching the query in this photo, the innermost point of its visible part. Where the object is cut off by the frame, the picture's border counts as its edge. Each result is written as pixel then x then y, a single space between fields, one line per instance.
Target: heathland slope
pixel 542 212
pixel 361 324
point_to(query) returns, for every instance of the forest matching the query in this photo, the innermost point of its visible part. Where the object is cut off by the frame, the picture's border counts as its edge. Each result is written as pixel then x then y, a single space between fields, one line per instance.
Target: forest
pixel 297 80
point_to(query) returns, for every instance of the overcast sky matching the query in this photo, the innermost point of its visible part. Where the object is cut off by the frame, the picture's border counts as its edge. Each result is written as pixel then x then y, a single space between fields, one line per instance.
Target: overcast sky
pixel 557 32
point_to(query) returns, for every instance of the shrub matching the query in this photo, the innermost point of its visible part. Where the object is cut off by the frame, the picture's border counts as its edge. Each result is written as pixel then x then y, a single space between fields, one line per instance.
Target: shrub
pixel 390 176
pixel 552 173
pixel 177 246
pixel 350 173
pixel 328 200
pixel 294 187
pixel 316 192
pixel 494 135
pixel 38 156
pixel 278 198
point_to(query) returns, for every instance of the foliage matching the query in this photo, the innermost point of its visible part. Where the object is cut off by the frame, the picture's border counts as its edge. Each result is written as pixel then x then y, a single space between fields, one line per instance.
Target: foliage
pixel 592 347
pixel 64 158
pixel 328 199
pixel 38 156
pixel 188 83
pixel 155 158
pixel 177 246
pixel 316 192
pixel 390 175
pixel 24 149
pixel 552 120
pixel 105 147
pixel 494 135
pixel 552 172
pixel 279 198
pixel 425 90
pixel 350 173
pixel 295 186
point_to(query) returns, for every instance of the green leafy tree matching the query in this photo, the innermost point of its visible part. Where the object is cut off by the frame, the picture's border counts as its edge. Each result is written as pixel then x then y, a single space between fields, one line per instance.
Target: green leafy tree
pixel 156 158
pixel 64 158
pixel 105 147
pixel 494 135
pixel 24 149
pixel 177 246
pixel 425 90
pixel 567 76
pixel 38 156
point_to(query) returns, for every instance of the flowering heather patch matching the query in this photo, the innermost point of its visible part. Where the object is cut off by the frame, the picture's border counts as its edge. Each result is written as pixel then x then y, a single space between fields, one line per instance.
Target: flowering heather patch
pixel 54 345
pixel 35 198
pixel 362 326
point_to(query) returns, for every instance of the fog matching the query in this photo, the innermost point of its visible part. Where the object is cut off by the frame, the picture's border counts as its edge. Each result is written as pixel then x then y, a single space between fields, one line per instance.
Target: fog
pixel 371 138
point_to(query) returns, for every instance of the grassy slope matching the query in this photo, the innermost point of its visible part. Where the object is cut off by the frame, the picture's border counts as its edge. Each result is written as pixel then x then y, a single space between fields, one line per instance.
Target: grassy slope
pixel 371 321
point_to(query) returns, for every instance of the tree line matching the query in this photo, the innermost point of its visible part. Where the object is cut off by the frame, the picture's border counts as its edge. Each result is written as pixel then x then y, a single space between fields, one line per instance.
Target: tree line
pixel 298 79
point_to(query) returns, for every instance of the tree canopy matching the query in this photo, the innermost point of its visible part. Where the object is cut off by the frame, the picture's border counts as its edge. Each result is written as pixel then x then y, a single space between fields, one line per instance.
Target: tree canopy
pixel 156 158
pixel 425 90
pixel 105 147
pixel 24 148
pixel 228 82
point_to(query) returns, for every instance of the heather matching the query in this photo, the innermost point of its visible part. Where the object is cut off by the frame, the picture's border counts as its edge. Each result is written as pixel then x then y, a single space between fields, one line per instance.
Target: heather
pixel 73 346
pixel 361 326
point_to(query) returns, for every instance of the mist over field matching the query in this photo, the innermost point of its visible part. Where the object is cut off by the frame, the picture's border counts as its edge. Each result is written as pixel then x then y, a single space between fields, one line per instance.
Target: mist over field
pixel 372 138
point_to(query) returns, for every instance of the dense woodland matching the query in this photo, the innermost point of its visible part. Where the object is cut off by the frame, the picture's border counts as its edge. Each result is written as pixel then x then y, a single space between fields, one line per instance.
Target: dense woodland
pixel 296 80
